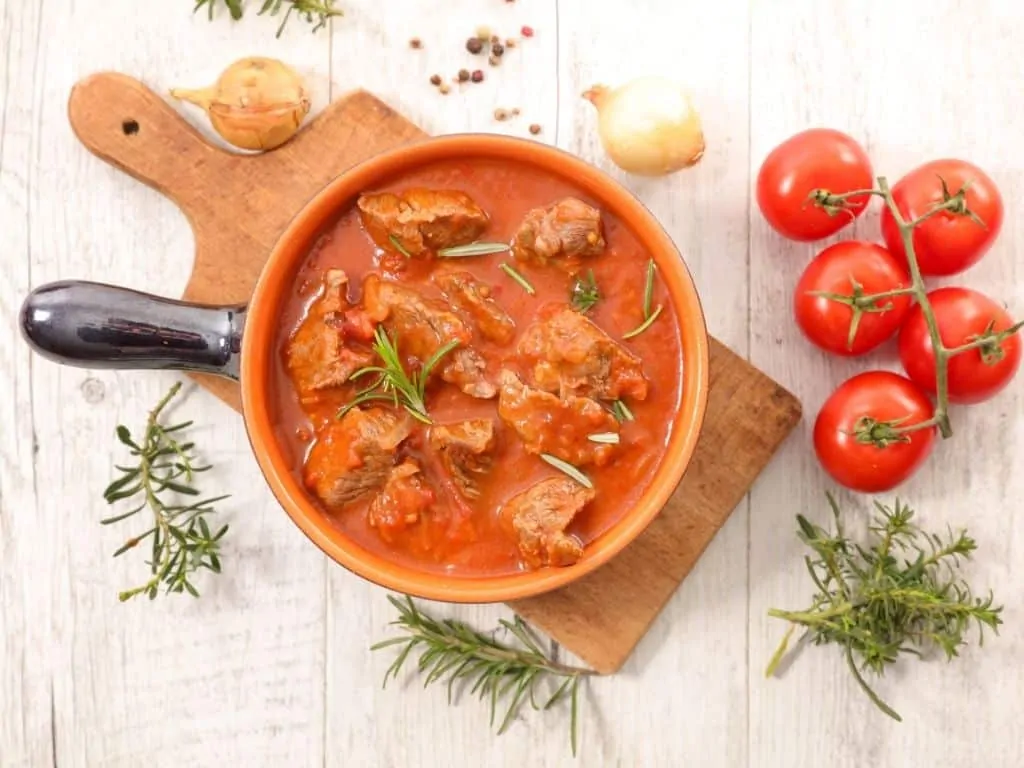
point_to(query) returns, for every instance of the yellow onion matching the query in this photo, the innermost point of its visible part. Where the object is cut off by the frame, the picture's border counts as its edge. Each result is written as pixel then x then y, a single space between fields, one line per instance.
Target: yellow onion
pixel 648 126
pixel 256 103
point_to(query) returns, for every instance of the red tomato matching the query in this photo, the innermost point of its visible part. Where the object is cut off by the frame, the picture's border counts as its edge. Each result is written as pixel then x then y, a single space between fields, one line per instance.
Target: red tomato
pixel 819 158
pixel 861 464
pixel 853 268
pixel 947 243
pixel 961 315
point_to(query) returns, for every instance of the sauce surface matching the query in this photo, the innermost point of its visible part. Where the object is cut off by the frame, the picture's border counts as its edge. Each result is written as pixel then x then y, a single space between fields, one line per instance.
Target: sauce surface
pixel 464 536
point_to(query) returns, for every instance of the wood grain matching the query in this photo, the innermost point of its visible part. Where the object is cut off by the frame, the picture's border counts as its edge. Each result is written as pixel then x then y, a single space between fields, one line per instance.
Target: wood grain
pixel 600 619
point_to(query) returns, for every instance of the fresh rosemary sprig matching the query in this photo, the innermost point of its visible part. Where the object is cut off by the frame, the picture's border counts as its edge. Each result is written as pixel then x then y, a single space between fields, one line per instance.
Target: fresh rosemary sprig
pixel 900 595
pixel 182 541
pixel 515 275
pixel 393 383
pixel 472 249
pixel 649 316
pixel 316 12
pixel 621 411
pixel 584 293
pixel 454 653
pixel 568 469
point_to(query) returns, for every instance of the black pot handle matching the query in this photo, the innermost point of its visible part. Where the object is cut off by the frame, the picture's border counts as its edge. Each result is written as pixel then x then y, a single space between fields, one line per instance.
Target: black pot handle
pixel 92 325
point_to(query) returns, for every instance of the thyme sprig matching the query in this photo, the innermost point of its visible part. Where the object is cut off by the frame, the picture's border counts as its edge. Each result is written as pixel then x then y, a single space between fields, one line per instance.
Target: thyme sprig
pixel 900 595
pixel 505 676
pixel 315 12
pixel 393 383
pixel 182 541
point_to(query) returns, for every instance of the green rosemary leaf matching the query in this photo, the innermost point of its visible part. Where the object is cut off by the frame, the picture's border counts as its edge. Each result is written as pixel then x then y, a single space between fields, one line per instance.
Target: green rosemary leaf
pixel 399 247
pixel 181 542
pixel 523 282
pixel 609 438
pixel 568 469
pixel 649 288
pixel 621 411
pixel 502 676
pixel 472 249
pixel 898 593
pixel 584 293
pixel 645 324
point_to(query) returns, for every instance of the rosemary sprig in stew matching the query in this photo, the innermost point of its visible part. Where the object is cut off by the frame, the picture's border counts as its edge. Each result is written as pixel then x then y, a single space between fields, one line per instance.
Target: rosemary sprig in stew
pixel 610 438
pixel 649 316
pixel 584 293
pixel 568 469
pixel 472 249
pixel 456 654
pixel 399 247
pixel 316 12
pixel 621 411
pixel 182 542
pixel 880 601
pixel 523 282
pixel 393 383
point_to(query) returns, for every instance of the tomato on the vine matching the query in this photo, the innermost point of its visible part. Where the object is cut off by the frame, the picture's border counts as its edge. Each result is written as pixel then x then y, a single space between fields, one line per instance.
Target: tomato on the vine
pixel 951 241
pixel 857 434
pixel 828 300
pixel 816 159
pixel 962 316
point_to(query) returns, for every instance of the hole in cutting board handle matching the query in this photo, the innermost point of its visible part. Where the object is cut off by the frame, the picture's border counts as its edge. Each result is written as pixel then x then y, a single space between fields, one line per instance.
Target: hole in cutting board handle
pixel 129 127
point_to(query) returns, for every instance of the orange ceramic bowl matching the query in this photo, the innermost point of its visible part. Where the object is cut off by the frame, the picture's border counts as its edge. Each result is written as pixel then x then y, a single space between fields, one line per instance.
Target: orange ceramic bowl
pixel 276 282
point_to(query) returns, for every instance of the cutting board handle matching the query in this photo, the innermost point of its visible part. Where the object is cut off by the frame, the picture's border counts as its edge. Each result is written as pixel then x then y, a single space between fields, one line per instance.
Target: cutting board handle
pixel 125 123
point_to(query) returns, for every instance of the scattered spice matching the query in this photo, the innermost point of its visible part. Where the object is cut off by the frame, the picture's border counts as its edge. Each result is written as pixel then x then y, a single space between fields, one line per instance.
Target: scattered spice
pixel 515 111
pixel 526 31
pixel 500 114
pixel 511 42
pixel 493 60
pixel 416 43
pixel 497 49
pixel 483 34
pixel 474 45
pixel 463 75
pixel 435 79
pixel 534 129
pixel 495 39
pixel 444 88
pixel 477 76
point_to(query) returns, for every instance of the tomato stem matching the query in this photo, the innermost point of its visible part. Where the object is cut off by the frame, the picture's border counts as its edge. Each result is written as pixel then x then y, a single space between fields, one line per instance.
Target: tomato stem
pixel 940 418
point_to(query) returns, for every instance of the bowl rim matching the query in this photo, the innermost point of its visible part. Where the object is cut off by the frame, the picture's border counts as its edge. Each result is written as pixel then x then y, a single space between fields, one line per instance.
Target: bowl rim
pixel 277 275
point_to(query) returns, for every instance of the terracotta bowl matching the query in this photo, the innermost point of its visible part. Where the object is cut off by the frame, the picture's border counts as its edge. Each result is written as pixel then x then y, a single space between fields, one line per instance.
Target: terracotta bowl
pixel 239 342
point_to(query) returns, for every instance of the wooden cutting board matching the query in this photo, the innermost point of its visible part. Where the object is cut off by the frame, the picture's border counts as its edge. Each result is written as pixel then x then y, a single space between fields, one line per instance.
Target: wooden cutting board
pixel 239 204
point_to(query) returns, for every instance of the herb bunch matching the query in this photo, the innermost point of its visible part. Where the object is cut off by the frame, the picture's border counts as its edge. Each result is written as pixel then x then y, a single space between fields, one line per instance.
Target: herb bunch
pixel 900 595
pixel 393 383
pixel 315 12
pixel 506 676
pixel 181 538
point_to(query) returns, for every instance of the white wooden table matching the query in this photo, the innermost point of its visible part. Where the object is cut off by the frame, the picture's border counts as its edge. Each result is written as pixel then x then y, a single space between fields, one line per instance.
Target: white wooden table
pixel 270 667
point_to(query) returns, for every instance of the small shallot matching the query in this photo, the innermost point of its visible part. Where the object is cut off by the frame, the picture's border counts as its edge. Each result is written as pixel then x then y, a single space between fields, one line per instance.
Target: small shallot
pixel 257 103
pixel 648 126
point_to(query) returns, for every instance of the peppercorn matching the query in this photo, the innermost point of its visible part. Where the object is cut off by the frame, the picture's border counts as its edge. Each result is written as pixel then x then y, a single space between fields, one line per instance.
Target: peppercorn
pixel 474 46
pixel 534 129
pixel 463 75
pixel 500 114
pixel 444 88
pixel 435 79
pixel 416 43
pixel 515 111
pixel 495 39
pixel 477 76
pixel 493 60
pixel 526 31
pixel 497 49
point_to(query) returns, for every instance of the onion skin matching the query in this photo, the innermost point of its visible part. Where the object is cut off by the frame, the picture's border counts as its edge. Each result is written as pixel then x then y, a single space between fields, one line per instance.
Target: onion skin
pixel 257 103
pixel 649 126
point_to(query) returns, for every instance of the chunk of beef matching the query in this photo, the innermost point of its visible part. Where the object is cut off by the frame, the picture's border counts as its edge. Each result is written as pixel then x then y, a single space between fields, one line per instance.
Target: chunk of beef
pixel 474 297
pixel 570 355
pixel 423 326
pixel 568 229
pixel 547 424
pixel 320 353
pixel 539 516
pixel 355 454
pixel 399 505
pixel 465 450
pixel 422 220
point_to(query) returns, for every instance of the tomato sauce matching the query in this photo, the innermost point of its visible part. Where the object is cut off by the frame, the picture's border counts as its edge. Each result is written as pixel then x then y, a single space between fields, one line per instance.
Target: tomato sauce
pixel 461 536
